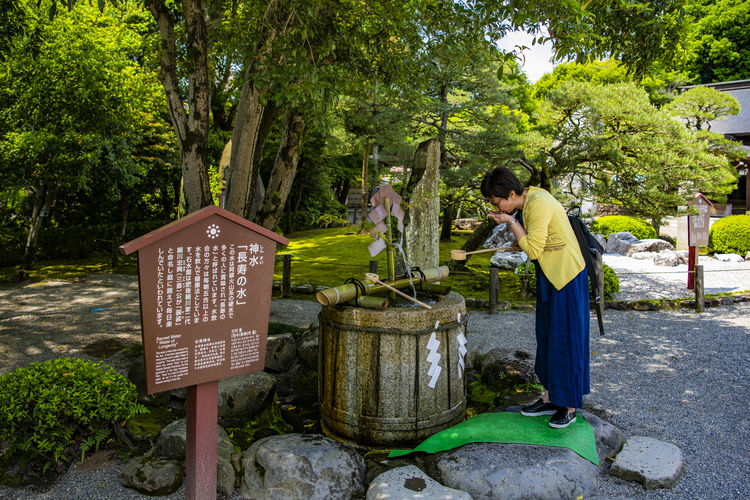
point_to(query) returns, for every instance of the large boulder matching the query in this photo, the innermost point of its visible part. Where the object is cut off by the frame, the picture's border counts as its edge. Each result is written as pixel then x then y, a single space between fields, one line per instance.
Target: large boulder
pixel 301 466
pixel 512 471
pixel 655 245
pixel 508 260
pixel 155 476
pixel 507 368
pixel 307 347
pixel 281 351
pixel 409 482
pixel 501 236
pixel 653 463
pixel 671 258
pixel 172 440
pixel 620 243
pixel 246 395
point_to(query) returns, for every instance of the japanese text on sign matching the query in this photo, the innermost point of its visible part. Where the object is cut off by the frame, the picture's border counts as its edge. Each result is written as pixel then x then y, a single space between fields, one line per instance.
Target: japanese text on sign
pixel 203 284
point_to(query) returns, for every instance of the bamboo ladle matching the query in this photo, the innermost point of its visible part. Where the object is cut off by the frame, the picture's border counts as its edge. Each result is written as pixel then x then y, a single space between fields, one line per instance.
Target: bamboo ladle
pixel 461 254
pixel 374 277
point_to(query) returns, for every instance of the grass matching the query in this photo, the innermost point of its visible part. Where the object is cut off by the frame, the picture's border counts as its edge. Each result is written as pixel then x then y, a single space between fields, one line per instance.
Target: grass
pixel 322 257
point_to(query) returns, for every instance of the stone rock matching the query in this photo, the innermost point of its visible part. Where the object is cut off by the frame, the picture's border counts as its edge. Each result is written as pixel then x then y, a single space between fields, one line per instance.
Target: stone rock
pixel 226 475
pixel 153 476
pixel 511 471
pixel 475 303
pixel 644 255
pixel 609 438
pixel 244 395
pixel 601 239
pixel 507 368
pixel 644 305
pixel 620 242
pixel 302 288
pixel 409 482
pixel 668 258
pixel 508 260
pixel 729 257
pixel 307 347
pixel 466 224
pixel 171 441
pixel 649 245
pixel 668 239
pixel 747 256
pixel 653 463
pixel 280 352
pixel 501 236
pixel 422 207
pixel 137 375
pixel 301 466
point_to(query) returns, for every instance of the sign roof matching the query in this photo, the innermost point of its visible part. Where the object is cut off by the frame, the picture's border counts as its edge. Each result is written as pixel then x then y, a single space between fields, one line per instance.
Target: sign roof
pixel 193 218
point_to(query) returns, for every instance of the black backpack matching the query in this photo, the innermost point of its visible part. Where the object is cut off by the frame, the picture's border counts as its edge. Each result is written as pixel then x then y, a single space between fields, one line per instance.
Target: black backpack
pixel 592 252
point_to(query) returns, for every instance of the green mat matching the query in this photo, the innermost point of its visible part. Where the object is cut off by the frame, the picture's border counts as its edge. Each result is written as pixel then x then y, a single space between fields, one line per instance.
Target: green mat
pixel 509 427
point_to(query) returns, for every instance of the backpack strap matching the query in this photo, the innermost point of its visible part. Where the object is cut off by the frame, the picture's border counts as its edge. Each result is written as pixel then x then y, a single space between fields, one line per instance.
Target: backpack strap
pixel 590 265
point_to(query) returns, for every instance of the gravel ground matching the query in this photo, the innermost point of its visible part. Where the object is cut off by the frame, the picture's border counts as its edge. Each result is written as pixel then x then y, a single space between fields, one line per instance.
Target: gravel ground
pixel 676 376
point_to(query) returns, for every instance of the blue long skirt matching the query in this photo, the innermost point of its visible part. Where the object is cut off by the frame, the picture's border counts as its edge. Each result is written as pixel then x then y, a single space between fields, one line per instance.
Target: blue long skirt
pixel 562 339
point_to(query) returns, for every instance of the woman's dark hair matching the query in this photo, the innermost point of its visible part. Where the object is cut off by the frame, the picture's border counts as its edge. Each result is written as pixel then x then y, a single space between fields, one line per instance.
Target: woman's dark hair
pixel 500 182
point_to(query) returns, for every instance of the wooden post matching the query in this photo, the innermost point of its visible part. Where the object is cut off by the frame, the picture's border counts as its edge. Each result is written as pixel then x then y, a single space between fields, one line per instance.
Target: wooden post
pixel 200 445
pixel 286 275
pixel 700 303
pixel 374 266
pixel 692 261
pixel 494 285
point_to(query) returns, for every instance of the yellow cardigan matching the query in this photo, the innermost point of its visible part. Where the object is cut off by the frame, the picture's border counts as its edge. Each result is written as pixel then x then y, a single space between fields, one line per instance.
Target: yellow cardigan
pixel 550 238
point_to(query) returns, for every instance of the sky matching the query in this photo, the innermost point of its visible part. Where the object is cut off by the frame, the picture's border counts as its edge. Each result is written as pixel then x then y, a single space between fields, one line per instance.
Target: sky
pixel 537 57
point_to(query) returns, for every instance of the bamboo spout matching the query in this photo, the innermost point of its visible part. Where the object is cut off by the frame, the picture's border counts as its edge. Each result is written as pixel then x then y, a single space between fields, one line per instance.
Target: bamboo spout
pixel 345 293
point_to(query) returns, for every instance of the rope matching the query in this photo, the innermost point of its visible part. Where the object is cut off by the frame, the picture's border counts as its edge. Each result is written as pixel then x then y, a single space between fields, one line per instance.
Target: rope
pixel 393 331
pixel 359 288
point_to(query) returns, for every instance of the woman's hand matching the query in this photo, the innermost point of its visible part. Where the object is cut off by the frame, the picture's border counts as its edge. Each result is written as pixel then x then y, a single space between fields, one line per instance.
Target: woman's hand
pixel 502 218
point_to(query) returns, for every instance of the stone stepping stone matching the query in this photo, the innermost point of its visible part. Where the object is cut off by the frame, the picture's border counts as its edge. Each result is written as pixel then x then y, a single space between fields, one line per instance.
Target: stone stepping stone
pixel 646 460
pixel 409 482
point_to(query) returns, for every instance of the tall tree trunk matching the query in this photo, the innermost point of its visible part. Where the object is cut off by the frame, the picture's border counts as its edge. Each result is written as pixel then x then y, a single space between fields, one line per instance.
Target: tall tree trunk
pixel 365 179
pixel 284 169
pixel 242 170
pixel 191 126
pixel 447 224
pixel 44 196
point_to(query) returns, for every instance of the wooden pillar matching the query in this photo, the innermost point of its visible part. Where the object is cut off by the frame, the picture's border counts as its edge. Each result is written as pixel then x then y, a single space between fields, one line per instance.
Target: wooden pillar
pixel 200 445
pixel 494 285
pixel 700 303
pixel 286 275
pixel 692 261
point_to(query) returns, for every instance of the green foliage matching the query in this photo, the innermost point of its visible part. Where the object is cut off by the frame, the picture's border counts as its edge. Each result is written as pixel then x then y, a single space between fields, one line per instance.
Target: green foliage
pixel 623 223
pixel 48 407
pixel 730 235
pixel 611 281
pixel 267 422
pixel 717 48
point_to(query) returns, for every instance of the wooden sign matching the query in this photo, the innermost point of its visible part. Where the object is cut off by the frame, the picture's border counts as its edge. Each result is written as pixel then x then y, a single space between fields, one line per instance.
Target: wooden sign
pixel 698 224
pixel 205 289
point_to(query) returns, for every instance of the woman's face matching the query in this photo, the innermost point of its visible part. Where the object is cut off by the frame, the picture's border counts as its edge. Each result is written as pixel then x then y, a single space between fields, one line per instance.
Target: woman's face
pixel 504 205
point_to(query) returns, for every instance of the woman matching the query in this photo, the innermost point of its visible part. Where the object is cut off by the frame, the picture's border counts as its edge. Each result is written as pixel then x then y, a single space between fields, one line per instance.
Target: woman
pixel 562 293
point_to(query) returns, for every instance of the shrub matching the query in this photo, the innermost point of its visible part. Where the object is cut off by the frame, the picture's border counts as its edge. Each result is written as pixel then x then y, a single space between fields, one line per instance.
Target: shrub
pixel 527 272
pixel 623 223
pixel 730 235
pixel 48 409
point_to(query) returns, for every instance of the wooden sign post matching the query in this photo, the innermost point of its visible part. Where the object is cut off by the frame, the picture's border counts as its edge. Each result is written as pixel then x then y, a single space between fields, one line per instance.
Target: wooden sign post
pixel 697 233
pixel 205 289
